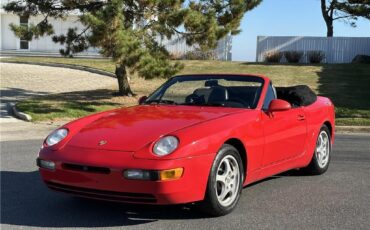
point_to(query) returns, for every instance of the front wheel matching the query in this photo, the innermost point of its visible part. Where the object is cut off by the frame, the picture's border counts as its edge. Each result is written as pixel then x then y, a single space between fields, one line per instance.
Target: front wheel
pixel 321 157
pixel 225 182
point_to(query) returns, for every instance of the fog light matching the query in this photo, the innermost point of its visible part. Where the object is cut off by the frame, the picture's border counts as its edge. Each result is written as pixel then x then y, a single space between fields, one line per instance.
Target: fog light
pixel 139 174
pixel 46 164
pixel 153 175
pixel 171 174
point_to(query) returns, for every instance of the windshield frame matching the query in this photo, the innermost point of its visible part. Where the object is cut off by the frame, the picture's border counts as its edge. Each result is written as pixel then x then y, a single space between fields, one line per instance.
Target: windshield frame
pixel 228 77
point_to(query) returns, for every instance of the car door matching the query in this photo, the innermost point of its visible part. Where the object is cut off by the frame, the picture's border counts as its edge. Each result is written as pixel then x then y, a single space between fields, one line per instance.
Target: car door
pixel 284 132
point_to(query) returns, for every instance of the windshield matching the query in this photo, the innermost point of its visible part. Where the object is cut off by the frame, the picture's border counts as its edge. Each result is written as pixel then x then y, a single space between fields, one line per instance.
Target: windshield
pixel 209 90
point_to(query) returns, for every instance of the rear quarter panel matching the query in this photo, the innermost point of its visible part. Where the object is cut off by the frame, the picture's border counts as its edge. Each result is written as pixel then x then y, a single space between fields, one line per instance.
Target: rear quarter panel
pixel 319 113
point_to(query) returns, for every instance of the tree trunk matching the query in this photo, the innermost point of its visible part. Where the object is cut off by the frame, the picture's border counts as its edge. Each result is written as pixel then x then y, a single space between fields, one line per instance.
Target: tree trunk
pixel 327 14
pixel 123 84
pixel 330 30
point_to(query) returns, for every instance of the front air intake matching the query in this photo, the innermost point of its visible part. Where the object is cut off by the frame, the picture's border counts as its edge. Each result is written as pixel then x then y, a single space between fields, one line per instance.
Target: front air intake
pixel 85 168
pixel 102 194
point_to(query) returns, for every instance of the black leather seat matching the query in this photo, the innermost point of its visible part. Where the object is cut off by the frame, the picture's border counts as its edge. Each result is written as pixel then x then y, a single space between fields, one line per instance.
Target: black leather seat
pixel 203 93
pixel 218 95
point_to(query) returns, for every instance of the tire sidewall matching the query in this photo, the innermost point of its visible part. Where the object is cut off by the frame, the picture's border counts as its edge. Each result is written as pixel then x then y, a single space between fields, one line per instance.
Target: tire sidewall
pixel 315 162
pixel 211 195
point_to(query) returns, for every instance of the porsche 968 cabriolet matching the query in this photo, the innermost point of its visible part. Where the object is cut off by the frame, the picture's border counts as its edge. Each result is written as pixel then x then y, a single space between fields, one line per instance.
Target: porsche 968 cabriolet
pixel 196 139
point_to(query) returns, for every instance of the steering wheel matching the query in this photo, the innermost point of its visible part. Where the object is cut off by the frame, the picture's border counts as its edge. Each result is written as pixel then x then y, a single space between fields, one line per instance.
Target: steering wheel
pixel 194 99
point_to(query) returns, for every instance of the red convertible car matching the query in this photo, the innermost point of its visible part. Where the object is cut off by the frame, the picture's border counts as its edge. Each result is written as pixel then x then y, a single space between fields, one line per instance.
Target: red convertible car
pixel 196 139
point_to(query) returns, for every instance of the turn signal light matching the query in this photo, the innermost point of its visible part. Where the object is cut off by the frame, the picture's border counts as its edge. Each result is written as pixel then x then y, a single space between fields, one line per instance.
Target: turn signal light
pixel 171 174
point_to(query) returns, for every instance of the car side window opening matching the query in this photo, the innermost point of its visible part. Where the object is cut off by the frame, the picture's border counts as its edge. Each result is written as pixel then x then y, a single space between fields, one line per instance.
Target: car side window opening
pixel 270 95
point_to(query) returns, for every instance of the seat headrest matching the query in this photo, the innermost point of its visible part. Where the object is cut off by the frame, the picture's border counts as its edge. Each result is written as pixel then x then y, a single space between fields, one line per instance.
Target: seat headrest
pixel 218 94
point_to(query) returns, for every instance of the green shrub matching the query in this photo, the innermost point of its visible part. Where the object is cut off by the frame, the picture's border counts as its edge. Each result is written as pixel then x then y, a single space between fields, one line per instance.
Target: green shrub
pixel 315 56
pixel 365 59
pixel 293 56
pixel 273 56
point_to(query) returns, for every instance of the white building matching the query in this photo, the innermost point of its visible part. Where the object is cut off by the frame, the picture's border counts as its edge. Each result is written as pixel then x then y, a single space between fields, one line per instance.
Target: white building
pixel 12 45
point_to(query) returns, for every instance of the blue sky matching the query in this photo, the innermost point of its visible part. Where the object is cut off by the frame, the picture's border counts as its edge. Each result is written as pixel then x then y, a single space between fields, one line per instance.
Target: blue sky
pixel 287 18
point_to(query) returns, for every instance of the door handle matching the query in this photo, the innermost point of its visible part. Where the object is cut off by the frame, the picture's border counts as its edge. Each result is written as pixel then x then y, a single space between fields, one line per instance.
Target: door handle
pixel 301 117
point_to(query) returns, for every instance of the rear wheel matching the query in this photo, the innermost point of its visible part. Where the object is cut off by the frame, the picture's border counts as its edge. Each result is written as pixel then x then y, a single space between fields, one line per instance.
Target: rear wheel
pixel 225 182
pixel 321 157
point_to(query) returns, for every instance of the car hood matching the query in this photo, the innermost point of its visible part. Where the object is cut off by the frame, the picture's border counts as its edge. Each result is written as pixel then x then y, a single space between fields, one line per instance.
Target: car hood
pixel 129 129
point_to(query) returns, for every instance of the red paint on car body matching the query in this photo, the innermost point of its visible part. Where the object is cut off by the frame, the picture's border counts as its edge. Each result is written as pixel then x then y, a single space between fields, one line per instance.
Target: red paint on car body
pixel 273 142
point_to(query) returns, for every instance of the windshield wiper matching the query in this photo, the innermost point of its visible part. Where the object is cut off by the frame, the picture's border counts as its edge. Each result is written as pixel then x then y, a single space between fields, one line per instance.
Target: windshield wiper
pixel 204 104
pixel 216 104
pixel 161 101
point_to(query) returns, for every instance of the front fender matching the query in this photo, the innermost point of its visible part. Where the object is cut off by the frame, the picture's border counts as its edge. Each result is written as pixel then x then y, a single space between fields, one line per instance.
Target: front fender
pixel 208 137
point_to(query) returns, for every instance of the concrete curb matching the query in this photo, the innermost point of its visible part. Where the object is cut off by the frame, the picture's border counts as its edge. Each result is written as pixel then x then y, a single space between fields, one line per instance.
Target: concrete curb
pixel 352 129
pixel 18 114
pixel 69 66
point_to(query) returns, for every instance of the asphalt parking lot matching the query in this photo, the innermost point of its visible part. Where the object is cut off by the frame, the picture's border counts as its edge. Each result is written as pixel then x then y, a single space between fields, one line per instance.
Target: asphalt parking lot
pixel 339 199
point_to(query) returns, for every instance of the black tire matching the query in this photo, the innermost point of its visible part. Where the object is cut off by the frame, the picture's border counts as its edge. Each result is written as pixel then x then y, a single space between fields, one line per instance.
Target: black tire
pixel 211 205
pixel 314 168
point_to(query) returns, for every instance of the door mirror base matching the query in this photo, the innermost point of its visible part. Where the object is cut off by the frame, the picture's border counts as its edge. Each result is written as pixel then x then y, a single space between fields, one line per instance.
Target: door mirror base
pixel 142 99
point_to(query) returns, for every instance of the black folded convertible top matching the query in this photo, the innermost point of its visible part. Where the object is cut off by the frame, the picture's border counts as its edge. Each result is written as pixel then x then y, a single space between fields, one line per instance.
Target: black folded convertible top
pixel 300 95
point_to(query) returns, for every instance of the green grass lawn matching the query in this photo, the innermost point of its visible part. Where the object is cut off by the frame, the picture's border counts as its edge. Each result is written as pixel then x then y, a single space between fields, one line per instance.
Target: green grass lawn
pixel 346 84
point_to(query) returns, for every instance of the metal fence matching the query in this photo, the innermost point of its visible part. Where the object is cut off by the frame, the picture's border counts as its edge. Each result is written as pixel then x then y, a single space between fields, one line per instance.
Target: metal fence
pixel 336 49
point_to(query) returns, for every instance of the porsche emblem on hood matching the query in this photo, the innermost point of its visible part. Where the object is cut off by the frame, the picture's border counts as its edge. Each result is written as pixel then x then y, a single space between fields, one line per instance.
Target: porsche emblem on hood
pixel 102 142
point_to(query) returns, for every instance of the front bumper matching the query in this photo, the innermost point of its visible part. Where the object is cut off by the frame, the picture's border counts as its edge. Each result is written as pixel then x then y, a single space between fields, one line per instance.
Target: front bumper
pixel 98 174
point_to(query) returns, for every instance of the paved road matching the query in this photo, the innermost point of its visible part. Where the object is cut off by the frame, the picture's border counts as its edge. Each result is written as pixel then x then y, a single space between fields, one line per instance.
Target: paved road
pixel 337 200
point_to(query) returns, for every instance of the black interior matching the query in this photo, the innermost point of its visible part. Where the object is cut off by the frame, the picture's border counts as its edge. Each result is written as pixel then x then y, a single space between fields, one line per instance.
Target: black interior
pixel 247 96
pixel 300 95
pixel 233 96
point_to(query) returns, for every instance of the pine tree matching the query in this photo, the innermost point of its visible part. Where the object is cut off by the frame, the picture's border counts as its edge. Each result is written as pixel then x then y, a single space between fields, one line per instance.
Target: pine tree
pixel 347 10
pixel 127 31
